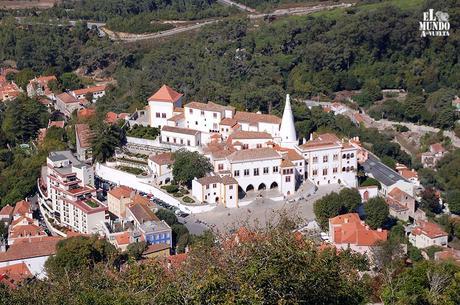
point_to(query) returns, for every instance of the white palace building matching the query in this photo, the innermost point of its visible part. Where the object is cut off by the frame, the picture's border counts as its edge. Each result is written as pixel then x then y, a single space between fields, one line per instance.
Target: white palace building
pixel 249 151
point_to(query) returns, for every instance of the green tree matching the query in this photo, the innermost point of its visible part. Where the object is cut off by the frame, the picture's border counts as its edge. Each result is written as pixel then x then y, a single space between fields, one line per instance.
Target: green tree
pixel 189 165
pixel 70 81
pixel 453 200
pixel 327 207
pixel 430 201
pixel 168 216
pixel 377 212
pixel 136 249
pixel 351 199
pixel 80 252
pixel 106 139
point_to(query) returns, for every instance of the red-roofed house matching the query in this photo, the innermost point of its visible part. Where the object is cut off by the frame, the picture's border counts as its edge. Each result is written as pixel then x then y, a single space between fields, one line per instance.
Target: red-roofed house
pixel 38 86
pixel 86 113
pixel 426 234
pixel 448 254
pixel 22 208
pixel 84 136
pixel 431 158
pixel 162 104
pixel 13 275
pixel 410 175
pixel 9 91
pixel 67 103
pixel 401 204
pixel 161 166
pixel 118 199
pixel 24 228
pixel 349 232
pixel 96 92
pixel 6 214
pixel 33 255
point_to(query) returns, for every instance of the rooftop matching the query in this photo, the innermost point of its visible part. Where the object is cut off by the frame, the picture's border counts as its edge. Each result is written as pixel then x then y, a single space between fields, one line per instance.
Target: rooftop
pixel 162 159
pixel 92 89
pixel 348 229
pixel 21 208
pixel 67 98
pixel 46 246
pixel 142 213
pixel 381 172
pixel 429 229
pixel 84 135
pixel 242 135
pixel 121 191
pixel 253 154
pixel 210 106
pixel 180 130
pixel 155 248
pixel 255 118
pixel 165 94
pixel 324 140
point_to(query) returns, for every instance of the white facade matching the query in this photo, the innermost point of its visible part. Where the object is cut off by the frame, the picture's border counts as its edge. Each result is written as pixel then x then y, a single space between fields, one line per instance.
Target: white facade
pixel 162 105
pixel 330 161
pixel 287 132
pixel 216 190
pixel 180 136
pixel 36 265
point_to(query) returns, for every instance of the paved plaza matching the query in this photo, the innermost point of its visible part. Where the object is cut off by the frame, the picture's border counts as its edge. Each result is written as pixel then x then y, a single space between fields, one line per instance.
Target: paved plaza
pixel 260 212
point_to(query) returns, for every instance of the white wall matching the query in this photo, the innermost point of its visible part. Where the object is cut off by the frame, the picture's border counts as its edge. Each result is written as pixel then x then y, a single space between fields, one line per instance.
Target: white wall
pixel 36 265
pixel 165 111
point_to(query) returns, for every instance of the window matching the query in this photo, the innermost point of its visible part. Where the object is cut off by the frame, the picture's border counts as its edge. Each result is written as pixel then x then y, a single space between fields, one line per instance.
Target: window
pixel 236 173
pixel 334 170
pixel 174 140
pixel 214 126
pixel 324 171
pixel 181 141
pixel 275 169
pixel 188 142
pixel 220 167
pixel 352 155
pixel 157 114
pixel 315 159
pixel 167 139
pixel 196 122
pixel 259 145
pixel 245 146
pixel 202 112
pixel 246 172
pixel 214 115
pixel 336 157
pixel 325 159
pixel 190 111
pixel 343 169
pixel 348 156
pixel 230 187
pixel 163 115
pixel 352 168
pixel 344 156
pixel 256 172
pixel 288 178
pixel 231 197
pixel 214 185
pixel 207 187
pixel 315 172
pixel 265 170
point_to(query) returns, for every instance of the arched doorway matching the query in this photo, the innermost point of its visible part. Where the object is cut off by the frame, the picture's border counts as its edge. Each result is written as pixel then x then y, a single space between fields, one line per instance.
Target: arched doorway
pixel 217 199
pixel 262 187
pixel 241 192
pixel 250 187
pixel 274 185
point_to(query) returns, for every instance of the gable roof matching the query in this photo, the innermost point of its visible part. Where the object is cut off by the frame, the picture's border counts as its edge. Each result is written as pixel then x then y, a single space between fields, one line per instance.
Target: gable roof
pixel 165 94
pixel 348 229
pixel 7 210
pixel 121 191
pixel 21 207
pixel 163 158
pixel 255 118
pixel 246 135
pixel 180 130
pixel 67 98
pixel 210 106
pixel 429 229
pixel 91 89
pixel 254 154
pixel 84 135
pixel 46 246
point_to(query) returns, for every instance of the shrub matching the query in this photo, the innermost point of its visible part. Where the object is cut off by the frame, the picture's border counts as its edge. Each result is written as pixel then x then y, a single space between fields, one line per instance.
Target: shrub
pixel 187 199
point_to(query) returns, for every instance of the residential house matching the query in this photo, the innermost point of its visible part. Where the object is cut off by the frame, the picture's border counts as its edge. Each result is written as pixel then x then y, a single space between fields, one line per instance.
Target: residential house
pixel 118 199
pixel 67 103
pixel 425 234
pixel 348 231
pixel 152 229
pixel 84 136
pixel 368 192
pixel 161 167
pixel 410 174
pixel 38 86
pixel 6 214
pixel 431 158
pixel 216 189
pixel 162 104
pixel 33 254
pixel 9 91
pixel 95 92
pixel 14 275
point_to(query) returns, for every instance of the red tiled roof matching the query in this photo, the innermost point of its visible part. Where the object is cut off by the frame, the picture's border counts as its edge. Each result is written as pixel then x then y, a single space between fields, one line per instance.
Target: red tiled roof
pixel 12 275
pixel 26 231
pixel 121 191
pixel 92 89
pixel 7 210
pixel 210 106
pixel 123 238
pixel 21 207
pixel 84 135
pixel 165 94
pixel 437 148
pixel 177 117
pixel 86 113
pixel 228 122
pixel 67 98
pixel 348 229
pixel 429 229
pixel 58 124
pixel 321 141
pixel 240 135
pixel 162 159
pixel 254 154
pixel 25 249
pixel 111 117
pixel 254 118
pixel 187 131
pixel 408 174
pixel 287 163
pixel 155 248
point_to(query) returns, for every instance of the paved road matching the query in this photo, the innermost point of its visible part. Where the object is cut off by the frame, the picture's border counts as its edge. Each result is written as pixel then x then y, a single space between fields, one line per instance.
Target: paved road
pixel 237 5
pixel 281 12
pixel 383 123
pixel 262 212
